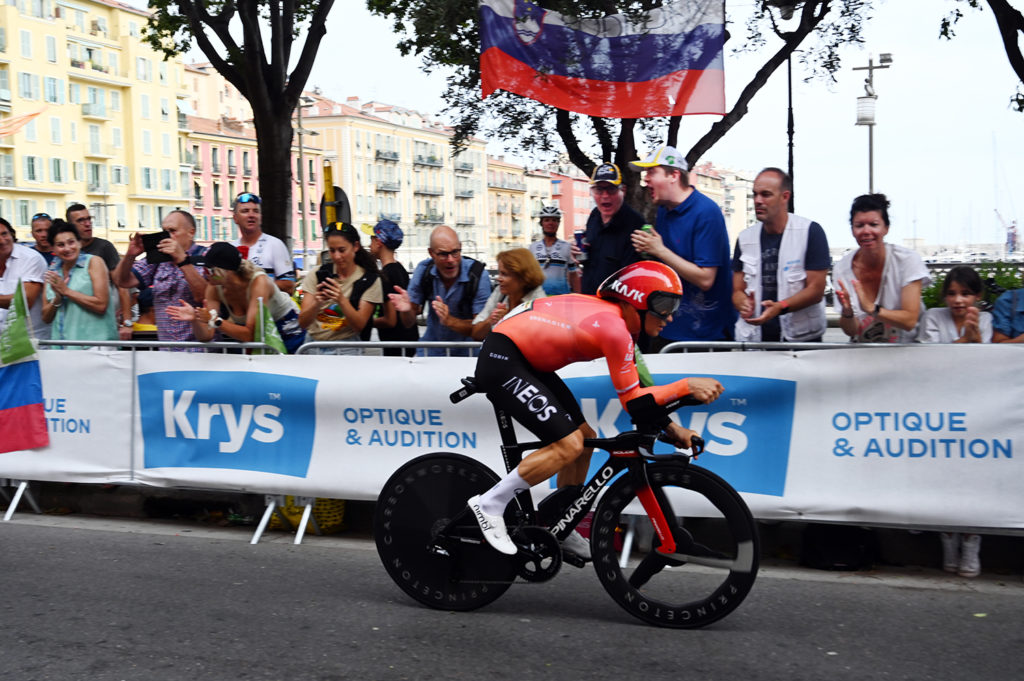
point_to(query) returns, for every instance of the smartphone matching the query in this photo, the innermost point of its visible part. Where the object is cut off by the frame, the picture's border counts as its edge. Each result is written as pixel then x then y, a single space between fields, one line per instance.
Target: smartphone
pixel 154 256
pixel 323 274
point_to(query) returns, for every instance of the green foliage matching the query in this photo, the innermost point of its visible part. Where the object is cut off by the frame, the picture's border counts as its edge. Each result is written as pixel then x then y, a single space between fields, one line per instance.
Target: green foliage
pixel 1004 275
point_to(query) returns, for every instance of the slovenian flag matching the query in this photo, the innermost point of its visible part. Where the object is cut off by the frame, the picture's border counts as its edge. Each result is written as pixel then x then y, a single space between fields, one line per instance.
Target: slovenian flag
pixel 22 419
pixel 667 62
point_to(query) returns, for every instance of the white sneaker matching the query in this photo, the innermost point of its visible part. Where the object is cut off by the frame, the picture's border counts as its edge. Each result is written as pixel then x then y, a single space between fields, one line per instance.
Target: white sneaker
pixel 970 563
pixel 577 545
pixel 493 527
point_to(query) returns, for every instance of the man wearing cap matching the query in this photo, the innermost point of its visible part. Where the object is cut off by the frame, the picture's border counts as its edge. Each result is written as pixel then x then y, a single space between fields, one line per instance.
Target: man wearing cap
pixel 40 228
pixel 268 252
pixel 779 269
pixel 452 288
pixel 78 215
pixel 385 238
pixel 555 255
pixel 691 238
pixel 173 280
pixel 609 228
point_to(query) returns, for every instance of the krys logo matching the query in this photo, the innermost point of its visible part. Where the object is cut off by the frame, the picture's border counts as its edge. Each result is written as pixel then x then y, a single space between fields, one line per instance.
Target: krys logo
pixel 746 431
pixel 228 419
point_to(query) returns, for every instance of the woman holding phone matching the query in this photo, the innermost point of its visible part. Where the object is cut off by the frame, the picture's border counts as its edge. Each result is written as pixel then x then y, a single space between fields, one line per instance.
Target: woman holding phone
pixel 339 298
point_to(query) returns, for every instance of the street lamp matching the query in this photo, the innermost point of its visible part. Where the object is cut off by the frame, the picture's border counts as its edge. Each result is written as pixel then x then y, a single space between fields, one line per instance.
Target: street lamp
pixel 303 212
pixel 866 109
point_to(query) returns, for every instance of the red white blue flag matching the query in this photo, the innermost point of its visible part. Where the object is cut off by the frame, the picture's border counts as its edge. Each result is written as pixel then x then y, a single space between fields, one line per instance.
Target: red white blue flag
pixel 667 62
pixel 22 419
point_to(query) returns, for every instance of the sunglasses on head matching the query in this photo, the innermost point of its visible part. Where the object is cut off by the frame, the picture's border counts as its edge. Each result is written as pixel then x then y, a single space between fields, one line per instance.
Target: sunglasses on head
pixel 40 216
pixel 248 197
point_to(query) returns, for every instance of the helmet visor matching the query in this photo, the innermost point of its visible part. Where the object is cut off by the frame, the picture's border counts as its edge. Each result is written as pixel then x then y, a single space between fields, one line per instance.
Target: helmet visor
pixel 662 304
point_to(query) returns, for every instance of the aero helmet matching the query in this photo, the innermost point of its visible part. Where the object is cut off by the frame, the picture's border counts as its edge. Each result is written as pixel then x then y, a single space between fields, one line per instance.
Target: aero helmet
pixel 550 212
pixel 646 285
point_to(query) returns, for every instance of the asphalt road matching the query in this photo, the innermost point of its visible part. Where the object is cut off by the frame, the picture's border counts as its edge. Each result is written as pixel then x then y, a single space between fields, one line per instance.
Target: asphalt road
pixel 108 600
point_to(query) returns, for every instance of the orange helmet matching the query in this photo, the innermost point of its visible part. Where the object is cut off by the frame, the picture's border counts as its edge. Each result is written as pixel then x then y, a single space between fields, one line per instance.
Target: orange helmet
pixel 646 285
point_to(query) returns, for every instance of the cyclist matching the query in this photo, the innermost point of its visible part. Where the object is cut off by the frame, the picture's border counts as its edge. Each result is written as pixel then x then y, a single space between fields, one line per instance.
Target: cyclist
pixel 517 364
pixel 555 255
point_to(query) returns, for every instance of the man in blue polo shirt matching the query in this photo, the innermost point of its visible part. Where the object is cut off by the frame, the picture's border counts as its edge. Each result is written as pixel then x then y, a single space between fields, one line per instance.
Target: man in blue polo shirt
pixel 455 286
pixel 691 238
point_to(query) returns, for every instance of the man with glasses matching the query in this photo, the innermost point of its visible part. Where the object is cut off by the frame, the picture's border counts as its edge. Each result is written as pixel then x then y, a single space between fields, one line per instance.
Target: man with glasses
pixel 264 250
pixel 21 263
pixel 40 226
pixel 608 229
pixel 78 215
pixel 453 287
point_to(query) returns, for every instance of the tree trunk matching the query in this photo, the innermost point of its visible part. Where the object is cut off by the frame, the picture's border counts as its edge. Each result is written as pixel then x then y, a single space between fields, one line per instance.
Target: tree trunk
pixel 274 132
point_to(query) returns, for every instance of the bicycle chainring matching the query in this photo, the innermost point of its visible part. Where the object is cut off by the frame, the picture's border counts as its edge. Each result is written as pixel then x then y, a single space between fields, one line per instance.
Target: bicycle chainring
pixel 540 555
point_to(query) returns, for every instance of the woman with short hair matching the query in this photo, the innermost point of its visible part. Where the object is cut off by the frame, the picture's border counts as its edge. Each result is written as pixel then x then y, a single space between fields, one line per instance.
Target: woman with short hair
pixel 520 280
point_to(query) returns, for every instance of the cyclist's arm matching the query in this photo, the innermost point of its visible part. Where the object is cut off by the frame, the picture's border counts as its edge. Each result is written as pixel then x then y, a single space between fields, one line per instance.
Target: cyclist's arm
pixel 620 352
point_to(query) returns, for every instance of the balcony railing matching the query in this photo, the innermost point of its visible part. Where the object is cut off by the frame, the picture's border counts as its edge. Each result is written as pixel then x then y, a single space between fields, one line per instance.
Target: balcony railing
pixel 464 166
pixel 389 186
pixel 464 193
pixel 232 169
pixel 394 217
pixel 429 190
pixel 215 167
pixel 429 218
pixel 246 171
pixel 95 188
pixel 387 155
pixel 198 201
pixel 465 222
pixel 6 180
pixel 94 110
pixel 423 160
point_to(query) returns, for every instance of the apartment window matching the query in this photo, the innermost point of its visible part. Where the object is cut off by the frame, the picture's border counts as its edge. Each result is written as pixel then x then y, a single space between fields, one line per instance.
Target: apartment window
pixel 30 131
pixel 74 132
pixel 117 175
pixel 51 49
pixel 115 100
pixel 165 109
pixel 77 171
pixel 133 29
pixel 74 93
pixel 147 142
pixel 144 105
pixel 165 144
pixel 143 69
pixel 26 44
pixel 144 217
pixel 33 169
pixel 94 139
pixel 53 90
pixel 163 73
pixel 28 86
pixel 147 178
pixel 115 135
pixel 112 63
pixel 167 180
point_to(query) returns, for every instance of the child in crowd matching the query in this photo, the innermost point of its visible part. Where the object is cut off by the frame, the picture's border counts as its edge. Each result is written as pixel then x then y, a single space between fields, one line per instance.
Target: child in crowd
pixel 959 322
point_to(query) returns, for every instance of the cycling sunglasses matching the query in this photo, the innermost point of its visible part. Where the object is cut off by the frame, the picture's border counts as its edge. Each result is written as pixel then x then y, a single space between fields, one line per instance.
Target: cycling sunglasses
pixel 41 216
pixel 662 304
pixel 248 197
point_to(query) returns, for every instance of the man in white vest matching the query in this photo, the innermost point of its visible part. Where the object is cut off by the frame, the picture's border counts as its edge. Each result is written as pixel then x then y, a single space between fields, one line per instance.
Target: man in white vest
pixel 779 269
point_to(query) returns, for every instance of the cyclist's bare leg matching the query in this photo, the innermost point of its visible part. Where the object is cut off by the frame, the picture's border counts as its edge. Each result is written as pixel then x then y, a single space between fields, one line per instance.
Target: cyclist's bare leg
pixel 575 473
pixel 546 461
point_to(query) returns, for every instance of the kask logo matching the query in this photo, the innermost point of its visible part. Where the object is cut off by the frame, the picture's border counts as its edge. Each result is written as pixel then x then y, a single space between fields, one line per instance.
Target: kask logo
pixel 228 419
pixel 746 431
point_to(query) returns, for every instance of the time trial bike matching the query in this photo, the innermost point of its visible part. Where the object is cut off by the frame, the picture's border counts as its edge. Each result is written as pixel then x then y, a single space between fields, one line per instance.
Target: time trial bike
pixel 701 563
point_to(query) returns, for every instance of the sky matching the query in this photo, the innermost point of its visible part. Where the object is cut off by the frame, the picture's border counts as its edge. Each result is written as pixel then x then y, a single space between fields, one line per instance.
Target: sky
pixel 947 147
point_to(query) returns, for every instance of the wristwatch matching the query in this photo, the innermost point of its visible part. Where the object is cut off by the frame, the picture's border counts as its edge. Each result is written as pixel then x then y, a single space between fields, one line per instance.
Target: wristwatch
pixel 878 308
pixel 127 323
pixel 784 304
pixel 186 261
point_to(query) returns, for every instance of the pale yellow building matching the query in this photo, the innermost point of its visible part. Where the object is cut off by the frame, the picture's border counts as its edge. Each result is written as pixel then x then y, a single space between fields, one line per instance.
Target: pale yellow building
pixel 397 163
pixel 107 132
pixel 508 205
pixel 211 96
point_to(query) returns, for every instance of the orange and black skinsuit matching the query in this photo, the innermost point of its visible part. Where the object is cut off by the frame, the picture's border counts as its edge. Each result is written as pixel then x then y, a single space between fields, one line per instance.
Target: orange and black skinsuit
pixel 519 358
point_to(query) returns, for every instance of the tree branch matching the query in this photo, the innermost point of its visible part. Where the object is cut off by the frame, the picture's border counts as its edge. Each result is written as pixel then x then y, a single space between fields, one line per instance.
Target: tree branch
pixel 604 137
pixel 563 124
pixel 1011 23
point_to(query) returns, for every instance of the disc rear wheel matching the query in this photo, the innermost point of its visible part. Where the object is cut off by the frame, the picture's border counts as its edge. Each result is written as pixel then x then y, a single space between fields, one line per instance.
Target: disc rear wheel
pixel 451 570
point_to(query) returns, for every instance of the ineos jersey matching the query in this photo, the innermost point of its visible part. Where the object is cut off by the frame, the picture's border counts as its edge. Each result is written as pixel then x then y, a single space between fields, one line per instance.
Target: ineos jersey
pixel 557 331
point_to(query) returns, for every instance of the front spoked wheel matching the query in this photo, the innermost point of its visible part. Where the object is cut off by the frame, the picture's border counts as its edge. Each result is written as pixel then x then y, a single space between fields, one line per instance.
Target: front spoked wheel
pixel 429 542
pixel 716 557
